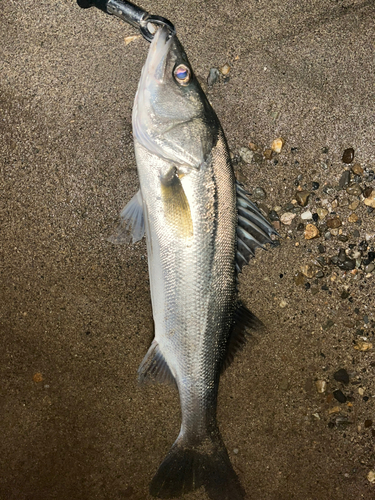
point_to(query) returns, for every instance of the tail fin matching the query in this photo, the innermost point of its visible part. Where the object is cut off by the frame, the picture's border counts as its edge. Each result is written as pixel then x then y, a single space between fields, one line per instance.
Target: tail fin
pixel 188 468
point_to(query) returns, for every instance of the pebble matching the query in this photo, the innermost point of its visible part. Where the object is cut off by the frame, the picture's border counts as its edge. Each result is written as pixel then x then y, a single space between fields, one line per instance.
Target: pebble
pixel 268 154
pixel 259 193
pixel 340 396
pixel 321 248
pixel 321 386
pixel 344 179
pixel 225 69
pixel 277 145
pixel 347 265
pixel 341 376
pixel 308 270
pixel 302 198
pixel 369 268
pixel 334 222
pixel 245 154
pixel 362 345
pixel 311 232
pixel 213 77
pixel 354 205
pixel 371 476
pixel 367 192
pixel 299 279
pixel 273 215
pixel 357 169
pixel 354 189
pixel 319 274
pixel 287 218
pixel 283 304
pixel 370 200
pixel 344 294
pixel 353 217
pixel 306 215
pixel 327 235
pixel 253 146
pixel 348 155
pixel 322 212
pixel 37 377
pixel 315 185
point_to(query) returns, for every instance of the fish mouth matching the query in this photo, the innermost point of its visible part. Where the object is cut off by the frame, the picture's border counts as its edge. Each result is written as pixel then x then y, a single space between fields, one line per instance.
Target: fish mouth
pixel 152 77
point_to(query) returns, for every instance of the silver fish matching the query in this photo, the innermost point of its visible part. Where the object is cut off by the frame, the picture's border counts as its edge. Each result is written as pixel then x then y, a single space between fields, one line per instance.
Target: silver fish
pixel 200 230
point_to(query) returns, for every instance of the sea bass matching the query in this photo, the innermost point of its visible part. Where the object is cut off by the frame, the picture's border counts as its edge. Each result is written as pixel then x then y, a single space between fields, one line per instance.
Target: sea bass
pixel 200 230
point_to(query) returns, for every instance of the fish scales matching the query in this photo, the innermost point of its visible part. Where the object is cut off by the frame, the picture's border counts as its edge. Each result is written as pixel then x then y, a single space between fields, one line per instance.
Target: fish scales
pixel 188 207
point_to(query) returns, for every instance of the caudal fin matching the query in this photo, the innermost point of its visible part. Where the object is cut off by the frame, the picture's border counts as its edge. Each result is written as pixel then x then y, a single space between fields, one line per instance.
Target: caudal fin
pixel 188 468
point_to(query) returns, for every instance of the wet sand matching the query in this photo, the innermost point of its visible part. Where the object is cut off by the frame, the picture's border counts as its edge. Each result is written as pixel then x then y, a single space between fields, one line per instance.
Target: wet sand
pixel 75 313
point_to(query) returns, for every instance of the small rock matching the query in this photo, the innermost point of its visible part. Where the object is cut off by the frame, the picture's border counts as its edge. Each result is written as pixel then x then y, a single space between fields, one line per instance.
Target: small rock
pixel 268 154
pixel 315 185
pixel 259 193
pixel 370 200
pixel 353 217
pixel 321 386
pixel 283 304
pixel 362 345
pixel 308 270
pixel 277 145
pixel 319 274
pixel 367 191
pixel 287 218
pixel 273 215
pixel 369 268
pixel 342 237
pixel 302 198
pixel 347 265
pixel 344 294
pixel 361 391
pixel 300 227
pixel 245 154
pixel 334 222
pixel 329 323
pixel 225 69
pixel 341 376
pixel 322 212
pixel 357 169
pixel 306 215
pixel 339 396
pixel 213 77
pixel 299 279
pixel 348 155
pixel 371 476
pixel 37 377
pixel 311 232
pixel 327 235
pixel 354 205
pixel 344 180
pixel 354 189
pixel 253 146
pixel 321 248
pixel 276 224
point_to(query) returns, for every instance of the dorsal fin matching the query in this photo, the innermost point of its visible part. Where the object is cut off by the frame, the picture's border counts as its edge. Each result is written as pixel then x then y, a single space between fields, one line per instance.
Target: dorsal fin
pixel 154 368
pixel 253 230
pixel 243 320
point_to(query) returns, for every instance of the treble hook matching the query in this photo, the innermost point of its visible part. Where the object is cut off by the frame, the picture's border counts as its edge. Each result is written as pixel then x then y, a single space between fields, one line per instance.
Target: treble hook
pixel 130 13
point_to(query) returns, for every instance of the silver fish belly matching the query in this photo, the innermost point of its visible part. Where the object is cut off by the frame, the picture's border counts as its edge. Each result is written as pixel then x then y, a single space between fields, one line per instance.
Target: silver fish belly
pixel 200 230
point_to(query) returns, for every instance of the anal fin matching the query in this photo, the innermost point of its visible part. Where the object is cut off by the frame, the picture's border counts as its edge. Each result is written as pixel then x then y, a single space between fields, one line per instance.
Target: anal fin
pixel 132 225
pixel 154 368
pixel 243 320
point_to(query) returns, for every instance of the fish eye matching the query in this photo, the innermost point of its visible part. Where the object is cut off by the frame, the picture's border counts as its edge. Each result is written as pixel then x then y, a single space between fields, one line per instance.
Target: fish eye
pixel 182 74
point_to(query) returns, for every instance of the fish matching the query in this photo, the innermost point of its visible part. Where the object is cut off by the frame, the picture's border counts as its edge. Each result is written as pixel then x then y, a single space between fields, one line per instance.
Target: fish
pixel 201 228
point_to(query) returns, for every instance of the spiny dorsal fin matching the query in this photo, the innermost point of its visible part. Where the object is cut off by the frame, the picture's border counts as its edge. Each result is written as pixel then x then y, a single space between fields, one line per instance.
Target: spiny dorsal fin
pixel 154 368
pixel 253 230
pixel 132 226
pixel 243 320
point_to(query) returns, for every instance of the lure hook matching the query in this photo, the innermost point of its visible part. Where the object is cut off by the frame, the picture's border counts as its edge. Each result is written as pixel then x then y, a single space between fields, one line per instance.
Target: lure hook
pixel 131 14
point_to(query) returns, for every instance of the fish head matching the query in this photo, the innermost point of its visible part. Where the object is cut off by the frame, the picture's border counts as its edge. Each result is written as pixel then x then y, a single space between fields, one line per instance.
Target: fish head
pixel 172 117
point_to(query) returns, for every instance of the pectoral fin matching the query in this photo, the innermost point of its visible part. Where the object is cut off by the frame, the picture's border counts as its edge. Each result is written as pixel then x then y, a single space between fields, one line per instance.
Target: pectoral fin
pixel 176 205
pixel 132 226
